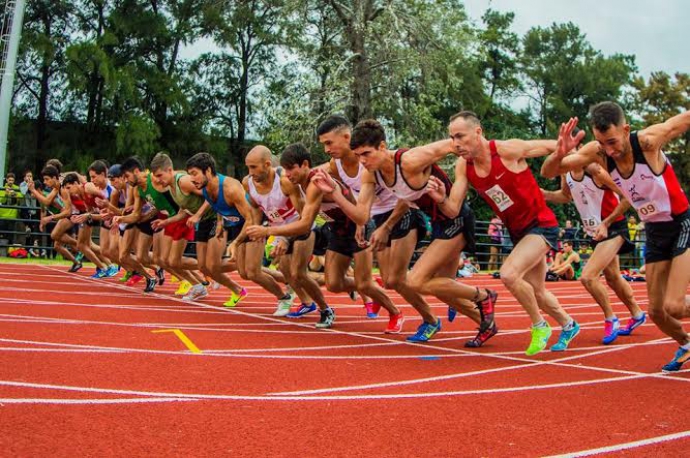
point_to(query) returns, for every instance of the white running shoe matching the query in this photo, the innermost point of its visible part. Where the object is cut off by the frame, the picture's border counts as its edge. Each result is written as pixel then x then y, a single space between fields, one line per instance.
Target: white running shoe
pixel 284 306
pixel 197 292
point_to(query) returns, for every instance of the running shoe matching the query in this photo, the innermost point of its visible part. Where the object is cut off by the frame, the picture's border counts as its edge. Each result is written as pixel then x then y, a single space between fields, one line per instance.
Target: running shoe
pixel 112 271
pixel 486 307
pixel 150 285
pixel 302 310
pixel 125 277
pixel 540 337
pixel 565 337
pixel 681 356
pixel 160 274
pixel 327 318
pixel 134 279
pixel 372 309
pixel 174 279
pixel 76 265
pixel 486 332
pixel 99 273
pixel 79 257
pixel 236 298
pixel 284 305
pixel 195 293
pixel 425 331
pixel 353 295
pixel 183 289
pixel 611 330
pixel 452 313
pixel 395 324
pixel 632 324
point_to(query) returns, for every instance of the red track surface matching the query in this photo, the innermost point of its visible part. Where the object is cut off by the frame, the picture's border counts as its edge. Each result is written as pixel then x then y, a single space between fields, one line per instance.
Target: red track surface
pixel 83 374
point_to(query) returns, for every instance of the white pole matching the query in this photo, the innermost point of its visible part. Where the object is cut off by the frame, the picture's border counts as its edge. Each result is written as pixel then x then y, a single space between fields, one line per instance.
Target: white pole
pixel 7 87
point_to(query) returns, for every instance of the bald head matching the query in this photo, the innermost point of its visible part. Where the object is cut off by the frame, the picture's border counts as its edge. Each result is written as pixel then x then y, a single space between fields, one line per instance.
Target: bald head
pixel 259 153
pixel 258 162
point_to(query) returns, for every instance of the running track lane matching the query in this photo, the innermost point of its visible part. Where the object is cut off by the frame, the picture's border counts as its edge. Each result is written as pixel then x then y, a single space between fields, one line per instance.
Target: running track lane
pixel 90 377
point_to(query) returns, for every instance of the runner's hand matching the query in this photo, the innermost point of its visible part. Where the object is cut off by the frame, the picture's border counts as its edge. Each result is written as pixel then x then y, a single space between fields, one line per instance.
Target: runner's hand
pixel 159 224
pixel 436 189
pixel 101 203
pixel 324 182
pixel 360 237
pixel 78 219
pixel 193 220
pixel 566 141
pixel 256 232
pixel 379 239
pixel 280 248
pixel 601 233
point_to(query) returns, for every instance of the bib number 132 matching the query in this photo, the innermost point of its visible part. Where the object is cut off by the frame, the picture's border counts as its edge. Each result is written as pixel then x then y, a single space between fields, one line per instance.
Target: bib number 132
pixel 499 197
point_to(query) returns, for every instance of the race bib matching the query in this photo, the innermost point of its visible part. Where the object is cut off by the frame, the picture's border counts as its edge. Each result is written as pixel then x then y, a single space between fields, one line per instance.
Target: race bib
pixel 499 197
pixel 275 217
pixel 647 210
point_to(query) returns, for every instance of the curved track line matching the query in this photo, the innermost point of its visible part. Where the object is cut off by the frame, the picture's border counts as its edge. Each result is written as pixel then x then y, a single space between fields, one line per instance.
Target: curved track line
pixel 626 445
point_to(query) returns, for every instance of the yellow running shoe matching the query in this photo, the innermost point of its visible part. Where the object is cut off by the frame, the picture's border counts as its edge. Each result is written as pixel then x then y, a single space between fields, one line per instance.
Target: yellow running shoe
pixel 174 279
pixel 184 288
pixel 236 298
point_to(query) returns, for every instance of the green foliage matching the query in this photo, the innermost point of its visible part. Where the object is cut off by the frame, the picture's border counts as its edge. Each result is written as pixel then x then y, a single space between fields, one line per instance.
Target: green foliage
pixel 136 136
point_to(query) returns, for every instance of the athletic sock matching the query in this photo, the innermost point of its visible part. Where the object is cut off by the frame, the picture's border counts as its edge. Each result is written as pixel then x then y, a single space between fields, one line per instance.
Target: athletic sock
pixel 638 316
pixel 569 326
pixel 285 298
pixel 541 324
pixel 612 319
pixel 686 346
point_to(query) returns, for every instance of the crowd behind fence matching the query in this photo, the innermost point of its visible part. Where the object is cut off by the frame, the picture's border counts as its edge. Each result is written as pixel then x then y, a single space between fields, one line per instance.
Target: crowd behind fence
pixel 20 229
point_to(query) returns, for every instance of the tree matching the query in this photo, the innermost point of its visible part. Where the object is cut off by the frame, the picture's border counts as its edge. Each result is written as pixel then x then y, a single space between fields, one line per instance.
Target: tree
pixel 250 31
pixel 660 98
pixel 564 75
pixel 47 27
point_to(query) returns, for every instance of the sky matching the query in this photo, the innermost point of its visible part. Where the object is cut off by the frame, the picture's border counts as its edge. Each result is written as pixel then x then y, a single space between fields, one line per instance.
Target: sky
pixel 658 36
pixel 656 33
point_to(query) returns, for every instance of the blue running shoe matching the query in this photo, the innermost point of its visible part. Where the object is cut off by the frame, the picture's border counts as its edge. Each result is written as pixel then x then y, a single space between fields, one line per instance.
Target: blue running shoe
pixel 99 273
pixel 632 324
pixel 682 356
pixel 611 330
pixel 565 337
pixel 112 271
pixel 452 313
pixel 302 310
pixel 425 332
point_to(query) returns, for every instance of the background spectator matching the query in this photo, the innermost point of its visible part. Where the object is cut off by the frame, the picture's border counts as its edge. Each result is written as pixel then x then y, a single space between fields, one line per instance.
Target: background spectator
pixel 496 236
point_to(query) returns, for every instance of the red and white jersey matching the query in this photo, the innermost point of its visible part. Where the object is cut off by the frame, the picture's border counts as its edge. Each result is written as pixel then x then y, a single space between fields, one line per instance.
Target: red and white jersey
pixel 514 197
pixel 656 198
pixel 384 200
pixel 403 191
pixel 275 204
pixel 594 203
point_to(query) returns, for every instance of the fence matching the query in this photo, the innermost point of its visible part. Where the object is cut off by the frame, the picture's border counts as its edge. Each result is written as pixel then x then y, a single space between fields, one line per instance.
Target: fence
pixel 19 227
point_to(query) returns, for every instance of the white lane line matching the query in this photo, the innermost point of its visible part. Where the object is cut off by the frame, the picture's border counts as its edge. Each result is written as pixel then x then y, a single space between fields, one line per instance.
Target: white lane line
pixel 199 396
pixel 90 401
pixel 457 351
pixel 555 362
pixel 626 445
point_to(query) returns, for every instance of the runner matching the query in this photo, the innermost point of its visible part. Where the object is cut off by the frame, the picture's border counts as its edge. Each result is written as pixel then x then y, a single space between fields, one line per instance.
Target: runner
pixel 56 219
pixel 177 233
pixel 82 202
pixel 226 197
pixel 644 174
pixel 280 201
pixel 406 174
pixel 147 206
pixel 342 247
pixel 498 170
pixel 596 198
